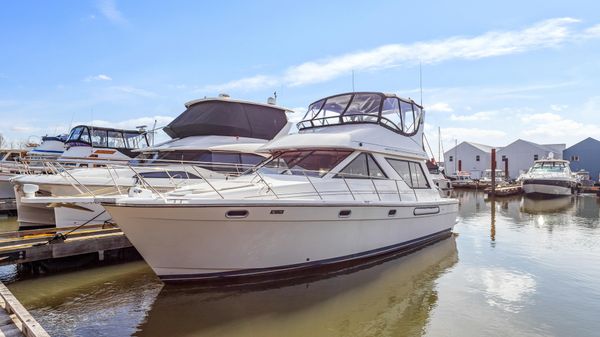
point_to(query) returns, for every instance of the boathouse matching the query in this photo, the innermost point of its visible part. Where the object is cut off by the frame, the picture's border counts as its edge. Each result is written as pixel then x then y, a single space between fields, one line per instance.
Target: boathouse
pixel 468 156
pixel 585 156
pixel 521 154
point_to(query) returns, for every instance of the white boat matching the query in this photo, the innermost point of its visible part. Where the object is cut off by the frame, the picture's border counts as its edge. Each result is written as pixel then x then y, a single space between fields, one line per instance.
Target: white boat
pixel 500 178
pixel 549 177
pixel 10 165
pixel 214 137
pixel 350 185
pixel 461 179
pixel 439 179
pixel 51 147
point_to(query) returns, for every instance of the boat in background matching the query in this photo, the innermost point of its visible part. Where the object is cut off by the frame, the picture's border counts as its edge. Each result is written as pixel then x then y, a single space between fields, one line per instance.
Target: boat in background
pixel 462 179
pixel 351 185
pixel 549 178
pixel 10 166
pixel 486 179
pixel 51 147
pixel 213 138
pixel 439 178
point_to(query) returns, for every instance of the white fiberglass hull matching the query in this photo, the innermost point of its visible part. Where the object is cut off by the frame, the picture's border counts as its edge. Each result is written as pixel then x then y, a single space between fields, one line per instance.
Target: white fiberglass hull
pixel 199 242
pixel 6 189
pixel 546 187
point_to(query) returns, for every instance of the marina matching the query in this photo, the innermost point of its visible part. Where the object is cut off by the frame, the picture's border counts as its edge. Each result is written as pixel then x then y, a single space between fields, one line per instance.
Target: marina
pixel 521 266
pixel 299 169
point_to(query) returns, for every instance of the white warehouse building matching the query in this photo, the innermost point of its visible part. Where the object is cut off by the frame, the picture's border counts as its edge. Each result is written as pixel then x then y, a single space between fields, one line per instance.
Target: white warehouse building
pixel 521 154
pixel 468 156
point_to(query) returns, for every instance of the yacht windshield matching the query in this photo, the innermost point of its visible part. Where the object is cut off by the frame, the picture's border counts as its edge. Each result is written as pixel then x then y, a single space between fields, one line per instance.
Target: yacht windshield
pixel 399 115
pixel 313 163
pixel 215 161
pixel 544 167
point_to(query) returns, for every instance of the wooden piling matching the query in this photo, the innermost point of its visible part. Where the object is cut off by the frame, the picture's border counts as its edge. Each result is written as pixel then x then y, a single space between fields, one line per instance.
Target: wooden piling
pixel 493 171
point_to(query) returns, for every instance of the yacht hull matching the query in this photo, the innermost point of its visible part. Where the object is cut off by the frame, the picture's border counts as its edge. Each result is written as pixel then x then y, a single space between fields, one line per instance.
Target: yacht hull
pixel 544 187
pixel 199 242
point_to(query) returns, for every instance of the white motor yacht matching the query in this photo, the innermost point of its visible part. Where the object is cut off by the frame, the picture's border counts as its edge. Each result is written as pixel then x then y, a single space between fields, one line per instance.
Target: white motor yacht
pixel 51 147
pixel 351 185
pixel 212 138
pixel 549 177
pixel 487 177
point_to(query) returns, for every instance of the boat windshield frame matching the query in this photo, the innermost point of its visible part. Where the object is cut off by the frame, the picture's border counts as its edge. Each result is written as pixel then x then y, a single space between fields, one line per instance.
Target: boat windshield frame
pixel 405 117
pixel 83 135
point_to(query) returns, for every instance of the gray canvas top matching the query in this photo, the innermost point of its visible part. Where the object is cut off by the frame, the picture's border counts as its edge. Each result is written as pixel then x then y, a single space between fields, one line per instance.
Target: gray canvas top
pixel 228 118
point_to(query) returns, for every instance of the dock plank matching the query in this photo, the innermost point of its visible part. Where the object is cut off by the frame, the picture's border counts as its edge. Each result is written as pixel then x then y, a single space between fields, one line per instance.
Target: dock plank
pixel 23 324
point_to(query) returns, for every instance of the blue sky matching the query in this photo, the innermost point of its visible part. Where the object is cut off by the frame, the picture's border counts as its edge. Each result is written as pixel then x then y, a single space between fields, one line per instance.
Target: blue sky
pixel 492 72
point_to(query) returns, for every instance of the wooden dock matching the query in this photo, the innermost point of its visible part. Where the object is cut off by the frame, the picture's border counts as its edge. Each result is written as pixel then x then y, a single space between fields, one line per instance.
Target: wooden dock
pixel 15 320
pixel 47 244
pixel 505 190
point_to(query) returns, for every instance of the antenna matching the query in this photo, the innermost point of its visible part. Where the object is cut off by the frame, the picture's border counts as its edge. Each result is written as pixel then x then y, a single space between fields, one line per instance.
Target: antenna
pixel 352 80
pixel 421 81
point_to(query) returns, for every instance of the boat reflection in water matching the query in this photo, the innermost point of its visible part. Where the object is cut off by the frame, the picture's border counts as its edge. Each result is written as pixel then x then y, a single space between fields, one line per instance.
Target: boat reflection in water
pixel 546 206
pixel 390 298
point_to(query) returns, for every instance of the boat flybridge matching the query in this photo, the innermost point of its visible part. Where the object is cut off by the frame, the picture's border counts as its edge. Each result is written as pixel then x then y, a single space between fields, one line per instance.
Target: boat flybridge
pixel 352 184
pixel 212 138
pixel 550 178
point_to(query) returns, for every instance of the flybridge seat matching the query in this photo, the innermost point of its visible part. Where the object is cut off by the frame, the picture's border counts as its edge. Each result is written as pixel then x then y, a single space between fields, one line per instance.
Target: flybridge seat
pixel 400 115
pixel 227 117
pixel 83 135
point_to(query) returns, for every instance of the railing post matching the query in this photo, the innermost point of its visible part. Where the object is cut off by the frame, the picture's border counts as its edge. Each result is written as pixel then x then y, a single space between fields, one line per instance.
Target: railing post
pixel 208 182
pixel 146 183
pixel 349 189
pixel 269 188
pixel 376 191
pixel 398 189
pixel 313 185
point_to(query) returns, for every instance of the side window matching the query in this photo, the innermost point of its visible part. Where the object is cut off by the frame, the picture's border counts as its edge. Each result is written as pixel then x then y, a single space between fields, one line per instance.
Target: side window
pixel 477 158
pixel 451 158
pixel 99 138
pixel 356 169
pixel 411 172
pixel 418 176
pixel 363 166
pixel 85 136
pixel 408 117
pixel 251 159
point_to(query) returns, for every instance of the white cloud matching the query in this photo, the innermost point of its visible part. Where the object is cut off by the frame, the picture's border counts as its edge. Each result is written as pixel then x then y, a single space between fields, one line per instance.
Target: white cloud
pixel 439 107
pixel 558 107
pixel 100 77
pixel 545 117
pixel 109 10
pixel 478 116
pixel 478 135
pixel 133 91
pixel 592 32
pixel 545 34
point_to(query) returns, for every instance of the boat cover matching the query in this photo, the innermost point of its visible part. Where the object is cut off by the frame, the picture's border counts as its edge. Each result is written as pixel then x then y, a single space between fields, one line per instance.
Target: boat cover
pixel 228 119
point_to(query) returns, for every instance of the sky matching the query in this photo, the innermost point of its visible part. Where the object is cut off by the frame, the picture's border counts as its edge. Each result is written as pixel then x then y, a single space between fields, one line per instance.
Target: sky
pixel 492 72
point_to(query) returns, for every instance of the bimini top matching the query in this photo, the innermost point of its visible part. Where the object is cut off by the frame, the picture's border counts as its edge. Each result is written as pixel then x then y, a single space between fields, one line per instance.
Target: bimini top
pixel 227 117
pixel 397 114
pixel 87 135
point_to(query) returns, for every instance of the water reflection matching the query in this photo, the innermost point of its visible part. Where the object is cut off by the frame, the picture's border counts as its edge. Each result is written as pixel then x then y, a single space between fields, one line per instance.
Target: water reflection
pixel 393 298
pixel 547 206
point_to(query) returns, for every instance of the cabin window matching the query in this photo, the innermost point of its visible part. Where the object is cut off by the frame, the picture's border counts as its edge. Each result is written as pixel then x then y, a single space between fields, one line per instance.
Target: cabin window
pixel 391 113
pixel 314 109
pixel 334 106
pixel 408 117
pixel 85 136
pixel 115 139
pixel 535 157
pixel 411 172
pixel 363 166
pixel 361 106
pixel 99 138
pixel 477 158
pixel 451 158
pixel 314 163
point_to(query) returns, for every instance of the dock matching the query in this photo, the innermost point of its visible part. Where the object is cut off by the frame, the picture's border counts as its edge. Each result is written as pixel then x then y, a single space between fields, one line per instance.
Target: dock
pixel 15 320
pixel 505 190
pixel 27 246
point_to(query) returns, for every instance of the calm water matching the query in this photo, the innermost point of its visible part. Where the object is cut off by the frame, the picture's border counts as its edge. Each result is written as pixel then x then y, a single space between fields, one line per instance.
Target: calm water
pixel 517 267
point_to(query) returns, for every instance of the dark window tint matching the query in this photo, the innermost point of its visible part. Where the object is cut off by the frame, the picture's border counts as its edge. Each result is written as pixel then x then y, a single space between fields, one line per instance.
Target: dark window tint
pixel 311 163
pixel 363 166
pixel 411 172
